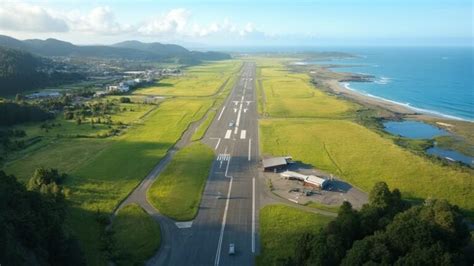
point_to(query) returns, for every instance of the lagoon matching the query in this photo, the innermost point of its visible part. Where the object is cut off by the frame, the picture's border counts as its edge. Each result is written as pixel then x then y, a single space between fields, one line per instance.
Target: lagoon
pixel 413 129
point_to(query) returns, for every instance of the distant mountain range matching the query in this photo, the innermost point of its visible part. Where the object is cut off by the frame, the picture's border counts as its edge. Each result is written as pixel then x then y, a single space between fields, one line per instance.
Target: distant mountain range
pixel 130 50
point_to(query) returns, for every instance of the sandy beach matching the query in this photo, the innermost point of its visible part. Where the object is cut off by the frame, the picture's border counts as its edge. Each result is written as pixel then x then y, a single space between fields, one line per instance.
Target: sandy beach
pixel 397 111
pixel 339 89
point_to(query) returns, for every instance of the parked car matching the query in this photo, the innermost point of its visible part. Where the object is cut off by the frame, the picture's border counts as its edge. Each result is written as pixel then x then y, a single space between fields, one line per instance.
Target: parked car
pixel 231 249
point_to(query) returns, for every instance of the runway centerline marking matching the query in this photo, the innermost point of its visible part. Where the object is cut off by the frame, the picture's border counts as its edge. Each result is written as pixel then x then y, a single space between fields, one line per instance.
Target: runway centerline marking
pixel 243 134
pixel 224 218
pixel 220 115
pixel 228 133
pixel 218 142
pixel 250 148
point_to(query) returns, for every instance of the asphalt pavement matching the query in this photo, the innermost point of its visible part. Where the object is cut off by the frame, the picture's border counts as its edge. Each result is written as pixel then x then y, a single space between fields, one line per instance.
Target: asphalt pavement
pixel 229 208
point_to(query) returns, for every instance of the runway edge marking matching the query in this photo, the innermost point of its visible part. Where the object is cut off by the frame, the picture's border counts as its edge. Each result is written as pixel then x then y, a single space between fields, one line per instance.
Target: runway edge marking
pixel 224 218
pixel 253 215
pixel 220 115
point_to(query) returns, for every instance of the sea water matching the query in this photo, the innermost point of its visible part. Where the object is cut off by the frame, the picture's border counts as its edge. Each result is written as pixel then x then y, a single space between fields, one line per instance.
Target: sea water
pixel 436 80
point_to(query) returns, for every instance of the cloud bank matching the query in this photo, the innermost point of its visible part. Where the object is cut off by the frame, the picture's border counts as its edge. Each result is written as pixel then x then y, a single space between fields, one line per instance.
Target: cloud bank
pixel 24 17
pixel 102 21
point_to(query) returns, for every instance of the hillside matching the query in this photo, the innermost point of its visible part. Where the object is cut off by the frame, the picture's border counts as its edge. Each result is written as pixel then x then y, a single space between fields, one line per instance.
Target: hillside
pixel 18 71
pixel 21 71
pixel 129 50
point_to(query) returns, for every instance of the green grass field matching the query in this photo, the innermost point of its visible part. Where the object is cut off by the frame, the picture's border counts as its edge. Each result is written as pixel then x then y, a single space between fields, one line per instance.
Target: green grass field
pixel 202 80
pixel 137 235
pixel 177 191
pixel 291 95
pixel 327 137
pixel 280 229
pixel 103 171
pixel 362 157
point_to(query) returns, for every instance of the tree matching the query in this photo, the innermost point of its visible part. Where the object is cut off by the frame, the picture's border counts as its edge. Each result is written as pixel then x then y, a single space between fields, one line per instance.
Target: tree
pixel 431 234
pixel 388 231
pixel 33 231
pixel 125 100
pixel 46 181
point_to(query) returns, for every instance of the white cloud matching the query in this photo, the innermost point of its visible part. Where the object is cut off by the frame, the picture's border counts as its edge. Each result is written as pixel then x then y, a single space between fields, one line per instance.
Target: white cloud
pixel 24 17
pixel 226 30
pixel 174 22
pixel 100 20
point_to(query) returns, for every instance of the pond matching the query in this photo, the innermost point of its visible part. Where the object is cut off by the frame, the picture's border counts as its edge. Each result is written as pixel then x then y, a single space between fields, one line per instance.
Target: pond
pixel 420 130
pixel 413 129
pixel 451 155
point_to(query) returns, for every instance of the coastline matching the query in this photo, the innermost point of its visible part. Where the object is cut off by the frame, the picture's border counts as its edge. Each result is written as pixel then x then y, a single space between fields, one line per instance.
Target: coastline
pixel 339 87
pixel 396 111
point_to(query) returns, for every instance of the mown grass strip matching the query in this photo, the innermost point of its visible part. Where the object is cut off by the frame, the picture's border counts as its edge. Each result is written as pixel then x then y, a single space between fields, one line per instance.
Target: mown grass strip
pixel 177 191
pixel 280 229
pixel 137 236
pixel 202 129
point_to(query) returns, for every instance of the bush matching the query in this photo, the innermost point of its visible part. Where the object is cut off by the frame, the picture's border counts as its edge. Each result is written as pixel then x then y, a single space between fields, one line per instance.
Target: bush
pixel 125 100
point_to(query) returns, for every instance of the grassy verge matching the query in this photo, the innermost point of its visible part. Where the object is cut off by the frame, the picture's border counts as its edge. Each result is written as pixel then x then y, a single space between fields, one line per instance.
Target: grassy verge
pixel 136 234
pixel 280 229
pixel 177 191
pixel 201 130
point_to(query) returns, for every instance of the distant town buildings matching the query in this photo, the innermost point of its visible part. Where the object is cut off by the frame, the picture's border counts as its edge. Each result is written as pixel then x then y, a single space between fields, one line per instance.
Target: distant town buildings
pixel 121 87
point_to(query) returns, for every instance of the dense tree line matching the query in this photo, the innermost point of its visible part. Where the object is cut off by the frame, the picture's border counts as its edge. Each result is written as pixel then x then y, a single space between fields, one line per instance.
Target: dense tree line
pixel 388 231
pixel 21 71
pixel 18 71
pixel 15 113
pixel 32 230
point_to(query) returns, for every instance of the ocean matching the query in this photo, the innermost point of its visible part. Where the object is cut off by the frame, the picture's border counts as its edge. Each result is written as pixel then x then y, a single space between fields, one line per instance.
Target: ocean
pixel 436 80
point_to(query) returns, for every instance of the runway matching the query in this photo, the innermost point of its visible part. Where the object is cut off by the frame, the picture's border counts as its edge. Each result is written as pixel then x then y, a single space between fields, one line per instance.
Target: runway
pixel 228 211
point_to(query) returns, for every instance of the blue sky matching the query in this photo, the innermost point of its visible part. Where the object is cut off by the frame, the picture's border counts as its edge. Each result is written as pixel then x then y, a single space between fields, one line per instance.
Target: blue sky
pixel 226 22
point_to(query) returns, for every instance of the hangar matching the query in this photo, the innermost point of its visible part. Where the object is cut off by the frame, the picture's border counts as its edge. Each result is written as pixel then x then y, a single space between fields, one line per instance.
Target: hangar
pixel 276 163
pixel 308 180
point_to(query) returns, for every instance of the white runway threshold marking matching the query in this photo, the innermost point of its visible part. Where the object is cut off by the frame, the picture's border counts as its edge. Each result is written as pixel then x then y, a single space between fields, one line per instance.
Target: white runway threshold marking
pixel 224 218
pixel 220 115
pixel 223 157
pixel 228 133
pixel 183 225
pixel 243 134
